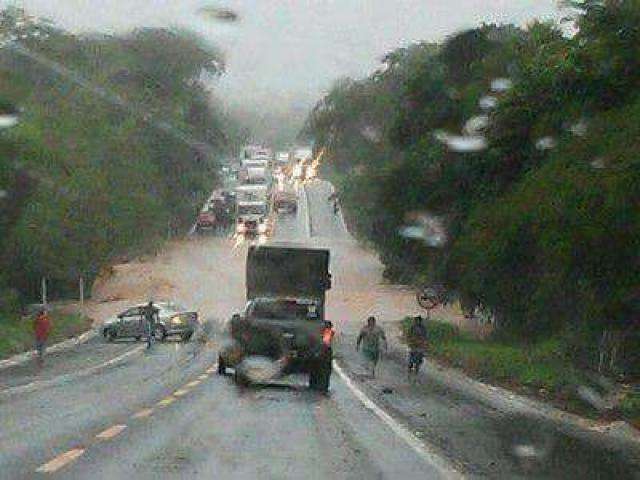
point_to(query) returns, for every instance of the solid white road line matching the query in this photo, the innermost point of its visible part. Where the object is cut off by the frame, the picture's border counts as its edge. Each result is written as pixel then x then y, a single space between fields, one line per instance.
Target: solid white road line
pixel 60 461
pixel 70 376
pixel 401 431
pixel 181 392
pixel 57 347
pixel 195 383
pixel 111 432
pixel 307 214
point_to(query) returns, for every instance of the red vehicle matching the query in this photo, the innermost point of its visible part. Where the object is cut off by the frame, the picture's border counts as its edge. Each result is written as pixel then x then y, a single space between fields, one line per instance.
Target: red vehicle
pixel 206 221
pixel 285 201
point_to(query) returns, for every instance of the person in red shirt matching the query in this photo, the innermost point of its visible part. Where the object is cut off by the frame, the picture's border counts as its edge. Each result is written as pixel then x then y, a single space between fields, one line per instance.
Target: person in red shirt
pixel 41 328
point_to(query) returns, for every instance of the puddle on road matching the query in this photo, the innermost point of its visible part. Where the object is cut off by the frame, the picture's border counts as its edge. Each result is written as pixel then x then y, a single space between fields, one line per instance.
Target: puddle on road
pixel 536 449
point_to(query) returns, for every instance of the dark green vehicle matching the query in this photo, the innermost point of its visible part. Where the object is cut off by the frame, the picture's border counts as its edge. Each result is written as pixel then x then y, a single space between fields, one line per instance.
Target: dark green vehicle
pixel 284 315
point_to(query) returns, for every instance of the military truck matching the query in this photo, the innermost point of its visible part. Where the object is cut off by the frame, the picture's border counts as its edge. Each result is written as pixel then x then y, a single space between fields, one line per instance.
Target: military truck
pixel 285 311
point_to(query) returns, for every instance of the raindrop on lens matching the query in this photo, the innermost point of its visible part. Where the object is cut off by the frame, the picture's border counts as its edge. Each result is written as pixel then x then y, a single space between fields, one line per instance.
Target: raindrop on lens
pixel 579 128
pixel 501 84
pixel 8 120
pixel 424 227
pixel 545 143
pixel 219 14
pixel 488 102
pixel 370 133
pixel 476 125
pixel 462 143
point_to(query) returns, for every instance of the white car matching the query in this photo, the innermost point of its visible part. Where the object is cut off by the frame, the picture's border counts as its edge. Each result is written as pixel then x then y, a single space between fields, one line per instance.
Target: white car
pixel 173 320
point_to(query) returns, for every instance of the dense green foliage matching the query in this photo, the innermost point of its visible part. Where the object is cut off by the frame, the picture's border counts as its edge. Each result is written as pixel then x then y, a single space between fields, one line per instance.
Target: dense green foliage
pixel 543 222
pixel 117 143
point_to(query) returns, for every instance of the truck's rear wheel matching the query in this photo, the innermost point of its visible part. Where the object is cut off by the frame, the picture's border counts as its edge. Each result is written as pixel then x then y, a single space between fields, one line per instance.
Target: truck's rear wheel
pixel 320 377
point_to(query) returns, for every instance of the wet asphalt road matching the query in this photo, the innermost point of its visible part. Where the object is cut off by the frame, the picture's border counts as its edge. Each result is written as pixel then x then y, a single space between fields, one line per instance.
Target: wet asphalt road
pixel 164 413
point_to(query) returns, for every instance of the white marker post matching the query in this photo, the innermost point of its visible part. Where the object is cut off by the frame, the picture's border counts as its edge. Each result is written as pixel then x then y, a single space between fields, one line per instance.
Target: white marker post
pixel 81 288
pixel 44 291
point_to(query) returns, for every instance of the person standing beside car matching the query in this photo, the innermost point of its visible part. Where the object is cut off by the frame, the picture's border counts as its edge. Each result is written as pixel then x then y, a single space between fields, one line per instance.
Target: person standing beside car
pixel 150 314
pixel 41 329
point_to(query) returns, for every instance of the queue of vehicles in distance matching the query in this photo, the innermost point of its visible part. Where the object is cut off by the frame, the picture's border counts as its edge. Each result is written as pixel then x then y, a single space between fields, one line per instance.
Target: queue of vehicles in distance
pixel 263 187
pixel 217 213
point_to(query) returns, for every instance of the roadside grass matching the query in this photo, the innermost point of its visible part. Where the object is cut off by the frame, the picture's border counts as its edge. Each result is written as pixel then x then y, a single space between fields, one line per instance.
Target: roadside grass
pixel 17 332
pixel 544 369
pixel 630 407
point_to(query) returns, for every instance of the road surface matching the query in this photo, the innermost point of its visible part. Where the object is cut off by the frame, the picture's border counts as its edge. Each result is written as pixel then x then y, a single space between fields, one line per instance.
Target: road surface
pixel 107 411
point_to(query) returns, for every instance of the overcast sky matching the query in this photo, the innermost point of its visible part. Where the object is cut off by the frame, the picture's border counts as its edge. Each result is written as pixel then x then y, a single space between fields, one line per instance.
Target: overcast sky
pixel 287 52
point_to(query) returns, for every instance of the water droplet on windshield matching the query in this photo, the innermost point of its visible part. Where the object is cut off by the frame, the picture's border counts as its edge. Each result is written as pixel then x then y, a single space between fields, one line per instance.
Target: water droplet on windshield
pixel 501 84
pixel 424 227
pixel 3 194
pixel 8 120
pixel 545 143
pixel 475 125
pixel 598 163
pixel 488 102
pixel 462 143
pixel 579 128
pixel 370 133
pixel 220 14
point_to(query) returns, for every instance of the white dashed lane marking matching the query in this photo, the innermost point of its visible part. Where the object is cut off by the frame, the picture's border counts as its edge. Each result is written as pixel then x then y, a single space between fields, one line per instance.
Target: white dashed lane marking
pixel 111 432
pixel 166 401
pixel 143 413
pixel 61 460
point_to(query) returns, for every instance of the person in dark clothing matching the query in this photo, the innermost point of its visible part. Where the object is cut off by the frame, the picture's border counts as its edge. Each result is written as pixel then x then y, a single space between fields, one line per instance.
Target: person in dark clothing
pixel 417 341
pixel 150 315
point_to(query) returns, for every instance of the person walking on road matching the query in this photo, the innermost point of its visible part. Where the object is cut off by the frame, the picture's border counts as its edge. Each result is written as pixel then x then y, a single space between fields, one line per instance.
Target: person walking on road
pixel 371 336
pixel 417 341
pixel 150 314
pixel 41 329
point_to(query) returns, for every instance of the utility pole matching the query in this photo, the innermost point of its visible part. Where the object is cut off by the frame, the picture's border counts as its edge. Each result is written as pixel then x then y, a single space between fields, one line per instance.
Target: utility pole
pixel 81 286
pixel 44 291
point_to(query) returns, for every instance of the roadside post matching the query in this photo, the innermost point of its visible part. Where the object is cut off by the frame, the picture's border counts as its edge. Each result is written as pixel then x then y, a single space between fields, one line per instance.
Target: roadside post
pixel 81 288
pixel 43 288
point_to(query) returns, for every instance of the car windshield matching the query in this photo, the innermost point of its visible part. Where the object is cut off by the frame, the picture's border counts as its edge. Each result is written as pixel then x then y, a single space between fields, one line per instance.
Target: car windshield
pixel 454 184
pixel 251 209
pixel 284 310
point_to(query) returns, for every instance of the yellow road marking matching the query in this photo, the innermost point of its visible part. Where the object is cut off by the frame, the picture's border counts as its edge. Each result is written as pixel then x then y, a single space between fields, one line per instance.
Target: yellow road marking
pixel 143 413
pixel 60 461
pixel 195 383
pixel 204 376
pixel 166 401
pixel 111 432
pixel 181 392
pixel 210 370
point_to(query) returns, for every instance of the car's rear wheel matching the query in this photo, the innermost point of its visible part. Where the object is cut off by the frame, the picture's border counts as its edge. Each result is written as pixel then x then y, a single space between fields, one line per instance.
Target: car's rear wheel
pixel 159 333
pixel 110 335
pixel 320 377
pixel 222 367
